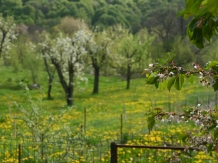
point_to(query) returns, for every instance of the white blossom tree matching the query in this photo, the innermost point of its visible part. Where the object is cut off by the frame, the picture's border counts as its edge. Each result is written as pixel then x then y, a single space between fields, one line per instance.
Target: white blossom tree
pixel 66 54
pixel 7 35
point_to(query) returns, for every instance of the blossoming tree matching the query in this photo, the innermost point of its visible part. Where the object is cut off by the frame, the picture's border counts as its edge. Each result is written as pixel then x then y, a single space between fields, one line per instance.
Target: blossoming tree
pixel 202 27
pixel 7 35
pixel 66 54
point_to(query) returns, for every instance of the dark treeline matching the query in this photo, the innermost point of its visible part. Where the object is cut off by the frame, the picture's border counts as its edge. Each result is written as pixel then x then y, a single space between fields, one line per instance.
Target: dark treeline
pixel 158 16
pixel 103 13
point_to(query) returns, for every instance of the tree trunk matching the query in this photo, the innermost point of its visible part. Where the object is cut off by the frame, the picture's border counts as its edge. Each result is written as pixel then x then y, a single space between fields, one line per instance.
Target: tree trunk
pixel 69 95
pixel 128 76
pixel 67 89
pixel 2 42
pixel 50 76
pixel 50 87
pixel 96 79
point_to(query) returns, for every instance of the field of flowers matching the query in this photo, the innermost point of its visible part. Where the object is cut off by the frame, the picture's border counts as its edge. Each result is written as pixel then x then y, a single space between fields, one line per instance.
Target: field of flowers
pixel 48 130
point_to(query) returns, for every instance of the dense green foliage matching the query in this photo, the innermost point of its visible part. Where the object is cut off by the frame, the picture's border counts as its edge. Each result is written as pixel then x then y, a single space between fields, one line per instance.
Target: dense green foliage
pixel 158 16
pixel 104 13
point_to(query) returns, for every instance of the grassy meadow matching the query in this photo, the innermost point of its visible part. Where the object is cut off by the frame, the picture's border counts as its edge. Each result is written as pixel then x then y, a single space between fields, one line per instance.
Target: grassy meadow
pixel 115 114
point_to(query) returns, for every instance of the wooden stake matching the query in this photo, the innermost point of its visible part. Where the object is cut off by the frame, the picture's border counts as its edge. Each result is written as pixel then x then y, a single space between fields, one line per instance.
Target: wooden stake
pixel 84 125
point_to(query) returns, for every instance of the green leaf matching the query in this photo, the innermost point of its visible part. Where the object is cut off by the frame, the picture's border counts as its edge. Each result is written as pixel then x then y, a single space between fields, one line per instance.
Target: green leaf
pixel 179 82
pixel 171 82
pixel 213 65
pixel 215 68
pixel 156 84
pixel 192 7
pixel 209 148
pixel 151 122
pixel 204 112
pixel 168 57
pixel 183 137
pixel 198 37
pixel 212 127
pixel 207 32
pixel 192 25
pixel 215 86
pixel 199 44
pixel 216 23
pixel 208 29
pixel 151 79
pixel 184 13
pixel 188 110
pixel 161 61
pixel 199 34
pixel 191 78
pixel 162 85
pixel 212 6
pixel 215 134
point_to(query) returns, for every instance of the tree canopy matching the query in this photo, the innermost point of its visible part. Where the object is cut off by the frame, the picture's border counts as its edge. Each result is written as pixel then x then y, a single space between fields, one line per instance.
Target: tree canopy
pixel 103 13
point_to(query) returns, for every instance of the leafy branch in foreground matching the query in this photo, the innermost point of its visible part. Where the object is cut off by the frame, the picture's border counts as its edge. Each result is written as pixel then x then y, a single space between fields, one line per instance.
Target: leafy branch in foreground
pixel 206 120
pixel 166 72
pixel 202 27
pixel 204 24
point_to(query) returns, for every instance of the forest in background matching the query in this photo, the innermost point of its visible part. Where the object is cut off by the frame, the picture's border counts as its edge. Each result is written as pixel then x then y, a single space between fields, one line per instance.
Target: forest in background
pixel 104 13
pixel 159 17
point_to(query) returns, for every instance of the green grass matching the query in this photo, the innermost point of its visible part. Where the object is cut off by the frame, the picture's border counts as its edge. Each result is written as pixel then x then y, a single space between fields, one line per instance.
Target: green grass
pixel 103 110
pixel 107 106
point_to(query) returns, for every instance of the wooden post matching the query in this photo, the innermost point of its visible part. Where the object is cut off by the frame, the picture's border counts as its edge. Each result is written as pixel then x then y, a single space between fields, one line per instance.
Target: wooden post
pixel 121 128
pixel 19 153
pixel 15 133
pixel 114 153
pixel 84 125
pixel 124 112
pixel 42 148
pixel 9 109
